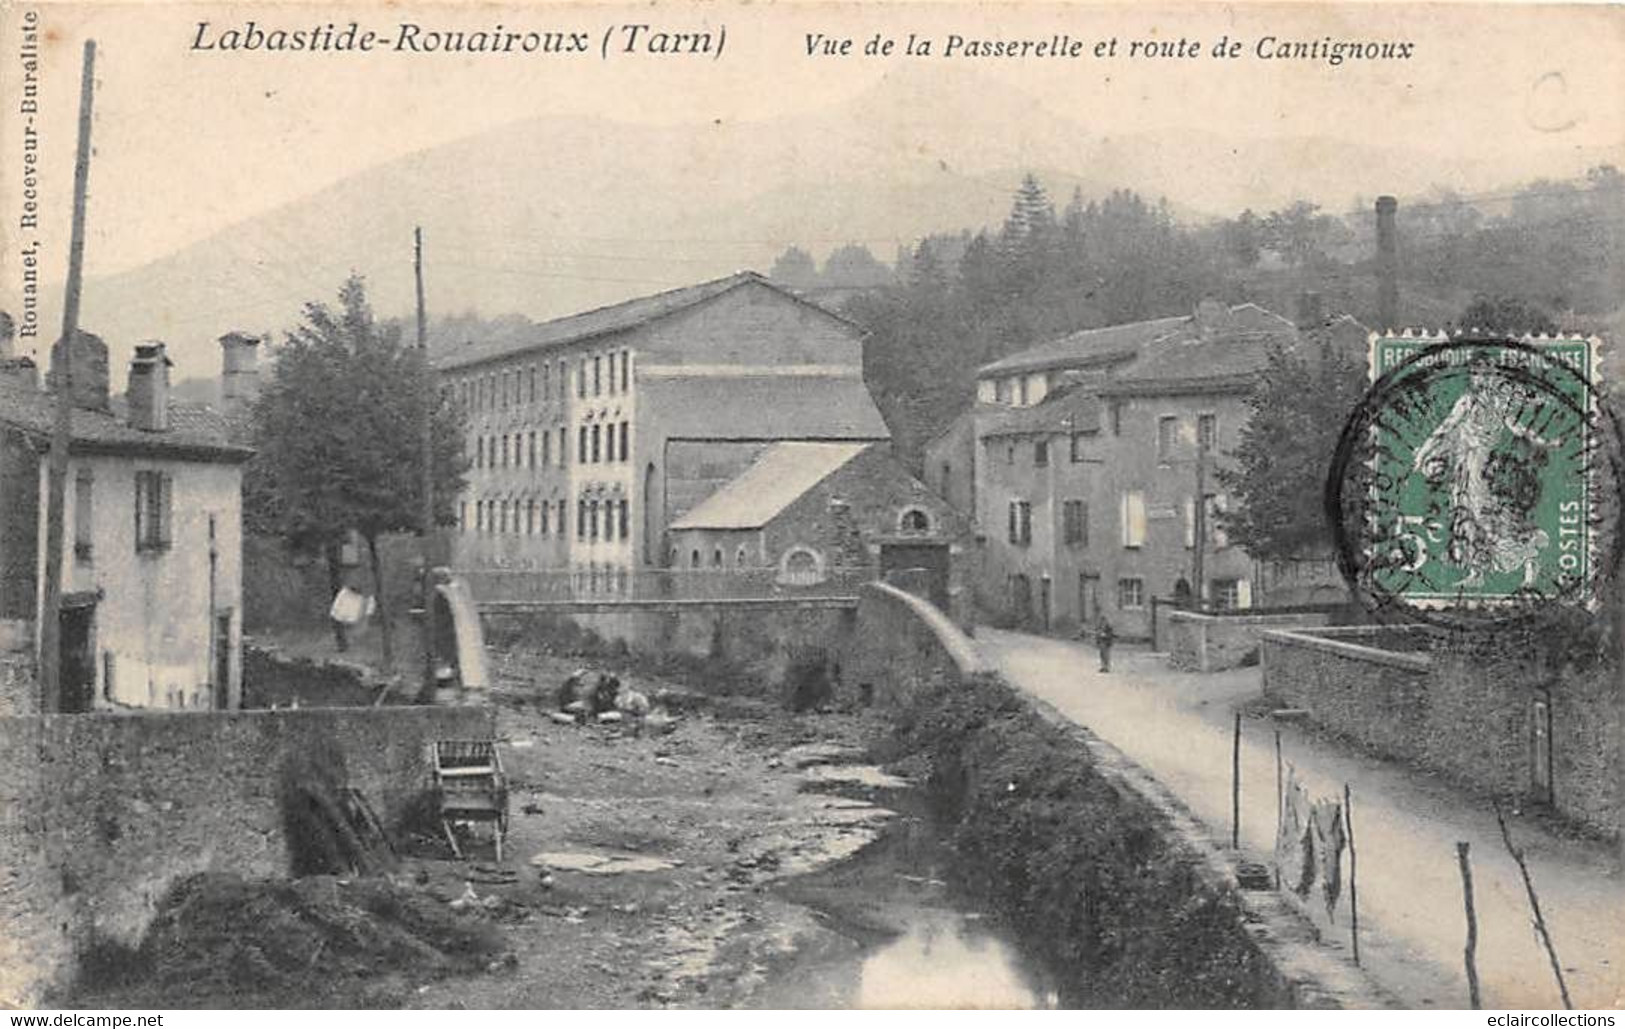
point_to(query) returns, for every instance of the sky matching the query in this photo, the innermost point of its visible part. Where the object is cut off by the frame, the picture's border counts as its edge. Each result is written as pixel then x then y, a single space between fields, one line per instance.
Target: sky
pixel 190 142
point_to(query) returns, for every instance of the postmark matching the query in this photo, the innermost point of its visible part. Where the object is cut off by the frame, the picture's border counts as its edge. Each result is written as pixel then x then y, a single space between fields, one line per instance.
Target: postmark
pixel 1478 480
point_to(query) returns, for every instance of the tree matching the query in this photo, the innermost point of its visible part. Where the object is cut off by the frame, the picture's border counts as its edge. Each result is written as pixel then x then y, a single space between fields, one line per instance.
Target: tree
pixel 854 266
pixel 1296 416
pixel 795 268
pixel 1508 316
pixel 338 441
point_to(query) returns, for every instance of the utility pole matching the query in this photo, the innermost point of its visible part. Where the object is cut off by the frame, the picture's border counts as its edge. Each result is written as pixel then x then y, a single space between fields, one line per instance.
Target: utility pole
pixel 426 465
pixel 50 630
pixel 1199 518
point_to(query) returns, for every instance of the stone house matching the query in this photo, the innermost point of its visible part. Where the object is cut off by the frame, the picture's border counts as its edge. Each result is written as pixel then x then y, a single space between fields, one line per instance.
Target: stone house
pixel 591 432
pixel 804 513
pixel 151 566
pixel 1079 466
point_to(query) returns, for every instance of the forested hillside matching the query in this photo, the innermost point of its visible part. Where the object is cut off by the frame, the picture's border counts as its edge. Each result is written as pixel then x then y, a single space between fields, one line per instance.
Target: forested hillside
pixel 956 301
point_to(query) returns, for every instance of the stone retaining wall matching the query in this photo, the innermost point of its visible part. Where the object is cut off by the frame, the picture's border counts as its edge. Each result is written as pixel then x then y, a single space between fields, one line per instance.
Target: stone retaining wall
pixel 101 813
pixel 1212 643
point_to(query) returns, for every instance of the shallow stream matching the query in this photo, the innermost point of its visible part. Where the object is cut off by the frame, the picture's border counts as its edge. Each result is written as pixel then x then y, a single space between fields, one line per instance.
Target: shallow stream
pixel 900 935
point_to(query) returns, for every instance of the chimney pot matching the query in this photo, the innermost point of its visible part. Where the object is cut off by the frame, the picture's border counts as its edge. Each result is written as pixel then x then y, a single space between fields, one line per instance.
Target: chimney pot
pixel 89 371
pixel 239 369
pixel 148 395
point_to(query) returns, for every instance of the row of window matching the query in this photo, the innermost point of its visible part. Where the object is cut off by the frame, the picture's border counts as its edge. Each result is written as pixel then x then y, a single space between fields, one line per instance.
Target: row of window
pixel 154 512
pixel 596 374
pixel 1168 438
pixel 1223 594
pixel 595 519
pixel 595 444
pixel 697 560
pixel 1131 521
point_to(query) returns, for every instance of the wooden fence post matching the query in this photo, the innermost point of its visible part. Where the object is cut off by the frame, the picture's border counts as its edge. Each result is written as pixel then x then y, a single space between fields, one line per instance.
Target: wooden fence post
pixel 1235 787
pixel 1534 907
pixel 1470 951
pixel 1354 889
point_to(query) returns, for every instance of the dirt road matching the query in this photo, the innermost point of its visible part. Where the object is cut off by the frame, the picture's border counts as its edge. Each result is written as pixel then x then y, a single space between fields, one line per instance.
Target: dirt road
pixel 1178 726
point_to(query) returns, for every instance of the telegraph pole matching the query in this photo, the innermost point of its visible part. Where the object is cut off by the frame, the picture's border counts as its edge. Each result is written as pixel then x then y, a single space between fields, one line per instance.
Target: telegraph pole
pixel 50 630
pixel 426 464
pixel 1199 551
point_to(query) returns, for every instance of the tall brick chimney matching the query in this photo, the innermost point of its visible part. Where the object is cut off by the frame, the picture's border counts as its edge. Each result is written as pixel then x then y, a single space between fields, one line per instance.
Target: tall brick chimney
pixel 89 371
pixel 239 370
pixel 1387 263
pixel 148 395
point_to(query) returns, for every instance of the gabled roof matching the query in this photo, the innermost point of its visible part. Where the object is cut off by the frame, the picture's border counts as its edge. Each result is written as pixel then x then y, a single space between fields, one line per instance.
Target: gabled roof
pixel 196 432
pixel 1112 344
pixel 601 321
pixel 780 476
pixel 1226 358
pixel 1077 410
pixel 766 406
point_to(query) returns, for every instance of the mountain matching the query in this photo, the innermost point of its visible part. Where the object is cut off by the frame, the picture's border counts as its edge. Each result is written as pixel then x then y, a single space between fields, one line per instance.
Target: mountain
pixel 553 215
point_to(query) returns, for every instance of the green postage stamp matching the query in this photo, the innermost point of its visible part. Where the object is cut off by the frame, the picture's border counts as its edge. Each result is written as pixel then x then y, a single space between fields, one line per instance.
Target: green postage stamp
pixel 1481 470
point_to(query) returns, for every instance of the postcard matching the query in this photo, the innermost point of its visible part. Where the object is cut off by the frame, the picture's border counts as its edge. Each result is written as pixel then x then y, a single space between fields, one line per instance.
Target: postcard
pixel 690 505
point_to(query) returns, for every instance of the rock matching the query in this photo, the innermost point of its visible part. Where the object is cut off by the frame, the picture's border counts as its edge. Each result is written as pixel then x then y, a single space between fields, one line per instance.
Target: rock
pixel 666 761
pixel 561 718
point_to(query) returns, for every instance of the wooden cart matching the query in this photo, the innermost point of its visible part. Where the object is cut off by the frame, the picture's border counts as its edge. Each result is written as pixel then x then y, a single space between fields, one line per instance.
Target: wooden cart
pixel 470 788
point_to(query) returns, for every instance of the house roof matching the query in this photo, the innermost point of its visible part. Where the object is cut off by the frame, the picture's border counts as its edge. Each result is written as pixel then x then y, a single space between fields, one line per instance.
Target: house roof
pixel 767 406
pixel 1113 344
pixel 196 431
pixel 780 476
pixel 1225 358
pixel 601 321
pixel 1077 410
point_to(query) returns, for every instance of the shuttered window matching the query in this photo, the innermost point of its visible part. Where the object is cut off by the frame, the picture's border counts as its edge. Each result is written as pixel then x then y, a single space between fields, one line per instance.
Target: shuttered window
pixel 153 505
pixel 1132 518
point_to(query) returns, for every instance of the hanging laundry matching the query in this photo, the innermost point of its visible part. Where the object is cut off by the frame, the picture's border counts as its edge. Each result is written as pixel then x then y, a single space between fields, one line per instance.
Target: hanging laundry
pixel 1295 838
pixel 1326 816
pixel 349 607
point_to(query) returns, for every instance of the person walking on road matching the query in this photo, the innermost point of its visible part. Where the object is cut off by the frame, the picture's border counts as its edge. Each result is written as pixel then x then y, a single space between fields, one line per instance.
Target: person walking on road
pixel 1104 635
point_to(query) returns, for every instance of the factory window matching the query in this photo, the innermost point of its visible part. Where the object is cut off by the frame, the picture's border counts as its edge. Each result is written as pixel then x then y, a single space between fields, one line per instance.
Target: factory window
pixel 1207 430
pixel 626 378
pixel 1041 453
pixel 581 519
pixel 596 451
pixel 626 518
pixel 914 520
pixel 547 449
pixel 581 445
pixel 716 557
pixel 626 440
pixel 581 377
pixel 612 373
pixel 597 376
pixel 564 445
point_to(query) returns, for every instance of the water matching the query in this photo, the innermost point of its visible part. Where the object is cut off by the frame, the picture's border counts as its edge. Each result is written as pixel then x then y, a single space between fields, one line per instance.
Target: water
pixel 947 961
pixel 888 931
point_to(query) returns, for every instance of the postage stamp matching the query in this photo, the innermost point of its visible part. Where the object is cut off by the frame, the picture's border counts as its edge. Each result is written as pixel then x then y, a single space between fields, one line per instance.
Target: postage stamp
pixel 1473 475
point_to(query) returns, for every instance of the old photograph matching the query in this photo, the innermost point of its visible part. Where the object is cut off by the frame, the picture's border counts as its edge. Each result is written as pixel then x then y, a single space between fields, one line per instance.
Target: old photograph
pixel 678 505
